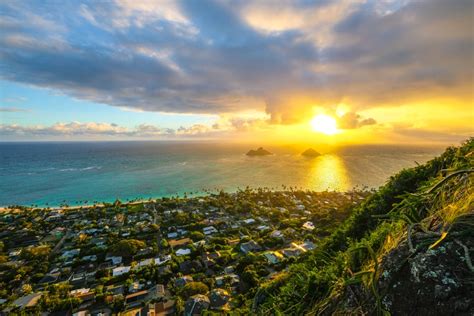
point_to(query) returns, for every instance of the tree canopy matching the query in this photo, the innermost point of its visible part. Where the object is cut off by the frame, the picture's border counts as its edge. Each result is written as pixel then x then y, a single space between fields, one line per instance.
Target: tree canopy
pixel 127 247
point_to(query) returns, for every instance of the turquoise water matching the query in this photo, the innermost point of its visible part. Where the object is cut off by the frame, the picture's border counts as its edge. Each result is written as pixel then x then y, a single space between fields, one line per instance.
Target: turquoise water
pixel 77 173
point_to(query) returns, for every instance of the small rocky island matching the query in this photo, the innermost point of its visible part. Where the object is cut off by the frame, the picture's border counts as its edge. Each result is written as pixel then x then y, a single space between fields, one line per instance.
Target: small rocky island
pixel 310 153
pixel 259 152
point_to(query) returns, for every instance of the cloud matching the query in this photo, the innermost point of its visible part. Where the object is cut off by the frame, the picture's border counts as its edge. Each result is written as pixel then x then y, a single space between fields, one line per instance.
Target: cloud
pixel 352 120
pixel 196 130
pixel 249 124
pixel 72 128
pixel 425 134
pixel 14 100
pixel 214 57
pixel 160 67
pixel 145 130
pixel 107 130
pixel 13 109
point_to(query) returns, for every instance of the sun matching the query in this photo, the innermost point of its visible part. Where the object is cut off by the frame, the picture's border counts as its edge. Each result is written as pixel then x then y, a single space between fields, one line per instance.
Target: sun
pixel 324 124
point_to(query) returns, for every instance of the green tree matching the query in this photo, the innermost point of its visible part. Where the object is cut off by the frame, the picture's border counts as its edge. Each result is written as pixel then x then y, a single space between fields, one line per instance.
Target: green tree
pixel 118 303
pixel 195 235
pixel 250 276
pixel 127 247
pixel 36 253
pixel 193 288
pixel 26 288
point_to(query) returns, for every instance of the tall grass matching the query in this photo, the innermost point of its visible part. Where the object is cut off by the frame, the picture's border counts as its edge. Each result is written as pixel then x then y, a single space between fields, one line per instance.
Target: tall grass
pixel 419 198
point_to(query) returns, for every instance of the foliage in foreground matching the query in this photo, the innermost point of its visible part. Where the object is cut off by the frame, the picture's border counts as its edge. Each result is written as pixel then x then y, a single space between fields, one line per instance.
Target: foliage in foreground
pixel 412 199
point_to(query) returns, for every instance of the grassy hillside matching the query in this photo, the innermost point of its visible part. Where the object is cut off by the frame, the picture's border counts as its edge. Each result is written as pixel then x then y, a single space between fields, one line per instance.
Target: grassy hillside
pixel 406 250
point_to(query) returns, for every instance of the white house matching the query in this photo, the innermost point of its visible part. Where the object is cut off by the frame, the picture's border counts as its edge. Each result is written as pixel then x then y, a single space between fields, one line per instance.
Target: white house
pixel 276 234
pixel 172 235
pixel 249 221
pixel 116 260
pixel 308 226
pixel 209 230
pixel 300 207
pixel 183 252
pixel 120 270
pixel 143 263
pixel 159 261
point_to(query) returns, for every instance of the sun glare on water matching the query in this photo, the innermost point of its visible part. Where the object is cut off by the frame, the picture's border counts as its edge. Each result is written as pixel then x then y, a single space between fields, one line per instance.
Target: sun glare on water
pixel 324 124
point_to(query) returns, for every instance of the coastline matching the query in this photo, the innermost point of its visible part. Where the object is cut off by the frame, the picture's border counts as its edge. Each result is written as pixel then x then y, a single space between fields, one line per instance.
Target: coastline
pixel 81 174
pixel 76 207
pixel 157 199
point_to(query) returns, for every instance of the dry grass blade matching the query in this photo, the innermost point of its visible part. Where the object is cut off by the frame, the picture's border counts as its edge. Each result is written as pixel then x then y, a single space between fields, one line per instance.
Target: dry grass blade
pixel 436 243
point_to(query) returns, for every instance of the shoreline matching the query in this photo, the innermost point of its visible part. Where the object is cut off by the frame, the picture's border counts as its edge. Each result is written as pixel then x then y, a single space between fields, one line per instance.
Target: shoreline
pixel 76 207
pixel 155 199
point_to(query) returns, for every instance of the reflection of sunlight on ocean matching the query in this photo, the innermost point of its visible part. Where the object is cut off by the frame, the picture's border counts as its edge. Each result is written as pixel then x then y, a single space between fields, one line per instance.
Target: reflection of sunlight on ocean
pixel 53 172
pixel 328 172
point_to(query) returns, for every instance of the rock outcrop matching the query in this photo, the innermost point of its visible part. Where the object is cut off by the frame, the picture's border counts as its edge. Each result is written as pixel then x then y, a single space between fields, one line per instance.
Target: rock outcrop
pixel 310 152
pixel 259 152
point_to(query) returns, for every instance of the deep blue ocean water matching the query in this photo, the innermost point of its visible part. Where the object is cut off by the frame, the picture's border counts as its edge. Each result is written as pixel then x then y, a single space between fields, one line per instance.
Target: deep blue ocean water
pixel 83 172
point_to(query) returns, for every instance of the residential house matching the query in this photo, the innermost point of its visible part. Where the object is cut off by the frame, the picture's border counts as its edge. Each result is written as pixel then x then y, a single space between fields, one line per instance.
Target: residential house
pixel 172 235
pixel 84 294
pixel 135 299
pixel 135 287
pixel 69 254
pixel 115 260
pixel 165 308
pixel 163 259
pixel 250 246
pixel 196 305
pixel 276 234
pixel 143 263
pixel 273 257
pixel 120 270
pixel 182 281
pixel 183 252
pixel 291 252
pixel 249 221
pixel 209 230
pixel 308 226
pixel 179 242
pixel 219 299
pixel 29 300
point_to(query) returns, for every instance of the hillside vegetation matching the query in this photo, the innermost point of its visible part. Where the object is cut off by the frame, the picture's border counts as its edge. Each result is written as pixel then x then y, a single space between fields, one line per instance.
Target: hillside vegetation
pixel 406 250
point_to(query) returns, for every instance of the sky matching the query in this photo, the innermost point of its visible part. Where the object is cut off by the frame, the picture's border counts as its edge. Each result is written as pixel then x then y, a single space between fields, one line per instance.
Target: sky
pixel 387 71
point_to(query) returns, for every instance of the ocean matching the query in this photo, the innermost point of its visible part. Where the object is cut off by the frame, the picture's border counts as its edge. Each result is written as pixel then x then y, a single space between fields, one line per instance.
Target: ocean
pixel 53 173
